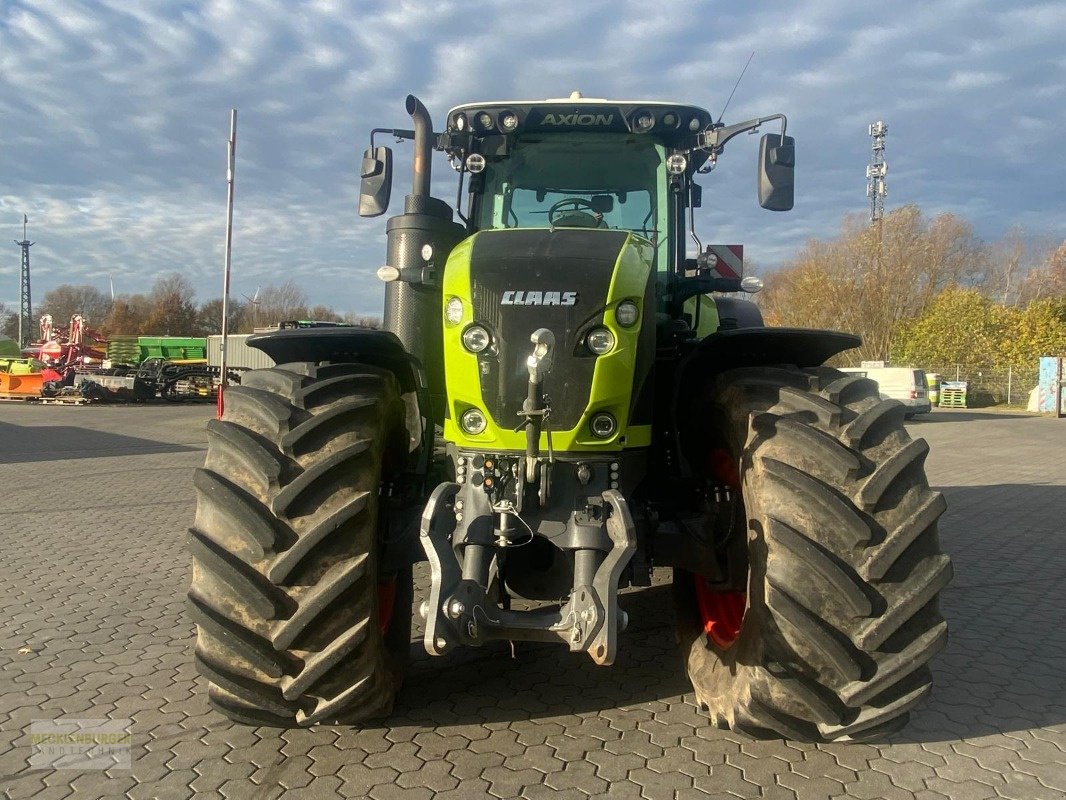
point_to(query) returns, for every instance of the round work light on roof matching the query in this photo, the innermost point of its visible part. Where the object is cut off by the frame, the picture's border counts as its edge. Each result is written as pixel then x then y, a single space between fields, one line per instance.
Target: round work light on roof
pixel 460 121
pixel 694 124
pixel 484 119
pixel 509 121
pixel 643 121
pixel 670 119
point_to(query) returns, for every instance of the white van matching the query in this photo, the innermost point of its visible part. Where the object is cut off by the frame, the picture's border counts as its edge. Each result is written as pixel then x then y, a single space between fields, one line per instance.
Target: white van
pixel 898 383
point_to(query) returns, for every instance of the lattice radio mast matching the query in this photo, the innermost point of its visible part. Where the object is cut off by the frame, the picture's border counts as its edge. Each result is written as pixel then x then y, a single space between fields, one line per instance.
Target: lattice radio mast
pixel 876 188
pixel 25 304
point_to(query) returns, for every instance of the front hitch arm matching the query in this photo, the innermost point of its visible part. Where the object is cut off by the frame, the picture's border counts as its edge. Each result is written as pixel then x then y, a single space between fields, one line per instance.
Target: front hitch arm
pixel 459 610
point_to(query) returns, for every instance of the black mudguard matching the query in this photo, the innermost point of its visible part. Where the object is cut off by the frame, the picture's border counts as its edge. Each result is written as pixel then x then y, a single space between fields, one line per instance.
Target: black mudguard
pixel 763 347
pixel 369 346
pixel 357 345
pixel 746 347
pixel 735 312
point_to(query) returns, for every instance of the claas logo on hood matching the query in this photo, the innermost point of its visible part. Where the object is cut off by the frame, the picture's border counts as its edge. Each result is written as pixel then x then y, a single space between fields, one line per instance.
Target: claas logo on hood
pixel 516 298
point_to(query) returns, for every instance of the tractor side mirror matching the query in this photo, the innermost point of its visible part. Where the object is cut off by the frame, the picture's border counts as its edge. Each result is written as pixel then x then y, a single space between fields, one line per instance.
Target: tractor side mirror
pixel 777 170
pixel 376 185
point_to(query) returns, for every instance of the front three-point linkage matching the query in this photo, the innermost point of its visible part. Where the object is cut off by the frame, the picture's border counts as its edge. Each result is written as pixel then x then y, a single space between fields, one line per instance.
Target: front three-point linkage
pixel 465 526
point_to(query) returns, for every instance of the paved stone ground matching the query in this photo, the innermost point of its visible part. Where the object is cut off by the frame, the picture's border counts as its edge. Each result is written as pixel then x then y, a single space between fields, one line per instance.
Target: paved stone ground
pixel 92 584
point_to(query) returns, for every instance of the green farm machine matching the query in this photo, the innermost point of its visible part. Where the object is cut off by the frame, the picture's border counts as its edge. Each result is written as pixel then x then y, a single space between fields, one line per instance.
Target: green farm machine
pixel 559 401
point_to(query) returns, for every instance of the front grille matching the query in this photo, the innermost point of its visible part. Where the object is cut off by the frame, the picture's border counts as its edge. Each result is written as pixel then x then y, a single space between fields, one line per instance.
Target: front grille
pixel 563 260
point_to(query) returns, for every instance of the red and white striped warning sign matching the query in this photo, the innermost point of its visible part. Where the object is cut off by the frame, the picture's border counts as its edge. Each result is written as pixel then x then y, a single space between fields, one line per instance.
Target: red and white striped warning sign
pixel 730 262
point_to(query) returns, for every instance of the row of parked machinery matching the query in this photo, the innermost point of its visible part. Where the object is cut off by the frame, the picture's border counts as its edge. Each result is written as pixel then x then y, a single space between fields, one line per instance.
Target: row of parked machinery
pixel 76 363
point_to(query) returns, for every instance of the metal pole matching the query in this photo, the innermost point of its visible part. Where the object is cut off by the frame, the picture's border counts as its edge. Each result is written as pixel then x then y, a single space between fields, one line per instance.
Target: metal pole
pixel 1010 375
pixel 231 163
pixel 25 303
pixel 1058 390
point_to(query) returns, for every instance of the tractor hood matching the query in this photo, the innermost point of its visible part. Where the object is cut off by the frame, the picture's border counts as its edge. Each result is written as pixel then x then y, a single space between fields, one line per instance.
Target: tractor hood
pixel 522 280
pixel 569 281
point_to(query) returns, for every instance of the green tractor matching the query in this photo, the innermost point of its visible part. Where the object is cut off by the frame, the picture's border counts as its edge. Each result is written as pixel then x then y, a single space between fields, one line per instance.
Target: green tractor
pixel 559 401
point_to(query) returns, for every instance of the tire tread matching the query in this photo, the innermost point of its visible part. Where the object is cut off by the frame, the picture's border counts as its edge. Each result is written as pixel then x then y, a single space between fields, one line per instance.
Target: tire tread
pixel 284 587
pixel 846 562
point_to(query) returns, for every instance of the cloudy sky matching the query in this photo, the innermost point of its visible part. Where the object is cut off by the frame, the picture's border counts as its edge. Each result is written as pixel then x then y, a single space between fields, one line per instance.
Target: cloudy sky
pixel 114 117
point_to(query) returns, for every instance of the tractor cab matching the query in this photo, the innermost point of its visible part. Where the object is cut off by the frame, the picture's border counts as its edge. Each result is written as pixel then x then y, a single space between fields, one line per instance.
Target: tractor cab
pixel 576 162
pixel 591 164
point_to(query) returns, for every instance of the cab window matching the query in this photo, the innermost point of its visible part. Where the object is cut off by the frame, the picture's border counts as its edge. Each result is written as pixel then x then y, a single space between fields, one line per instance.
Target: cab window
pixel 610 181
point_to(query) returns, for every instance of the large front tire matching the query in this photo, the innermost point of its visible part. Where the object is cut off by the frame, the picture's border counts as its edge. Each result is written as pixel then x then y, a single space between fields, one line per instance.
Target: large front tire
pixel 296 625
pixel 843 562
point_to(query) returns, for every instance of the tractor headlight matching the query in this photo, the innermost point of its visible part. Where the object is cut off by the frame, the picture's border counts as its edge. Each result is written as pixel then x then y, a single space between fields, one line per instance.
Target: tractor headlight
pixel 476 339
pixel 473 421
pixel 627 313
pixel 600 341
pixel 676 164
pixel 603 425
pixel 453 310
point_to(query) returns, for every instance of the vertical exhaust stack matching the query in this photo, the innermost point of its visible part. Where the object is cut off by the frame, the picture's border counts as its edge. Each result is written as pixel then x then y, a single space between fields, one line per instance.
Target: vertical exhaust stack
pixel 423 149
pixel 413 303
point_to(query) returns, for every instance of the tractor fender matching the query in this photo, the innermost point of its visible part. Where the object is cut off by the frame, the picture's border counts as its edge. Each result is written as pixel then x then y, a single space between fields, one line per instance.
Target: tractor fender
pixel 369 346
pixel 747 347
pixel 761 347
pixel 735 312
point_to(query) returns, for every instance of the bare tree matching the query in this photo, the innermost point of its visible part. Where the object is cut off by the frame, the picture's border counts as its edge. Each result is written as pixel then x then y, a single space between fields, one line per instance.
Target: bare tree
pixel 280 303
pixel 9 323
pixel 66 300
pixel 128 316
pixel 174 309
pixel 362 320
pixel 1012 259
pixel 855 284
pixel 321 313
pixel 209 316
pixel 1048 281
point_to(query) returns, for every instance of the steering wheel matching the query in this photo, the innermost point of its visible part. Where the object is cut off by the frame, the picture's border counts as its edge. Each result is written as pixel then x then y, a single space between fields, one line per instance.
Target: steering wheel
pixel 574 216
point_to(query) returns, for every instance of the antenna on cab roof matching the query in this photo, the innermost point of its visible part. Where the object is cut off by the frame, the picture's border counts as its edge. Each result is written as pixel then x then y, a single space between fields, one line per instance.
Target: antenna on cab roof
pixel 735 85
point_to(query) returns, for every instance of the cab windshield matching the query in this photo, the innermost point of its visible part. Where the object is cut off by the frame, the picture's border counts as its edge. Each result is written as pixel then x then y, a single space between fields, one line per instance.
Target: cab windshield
pixel 610 181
